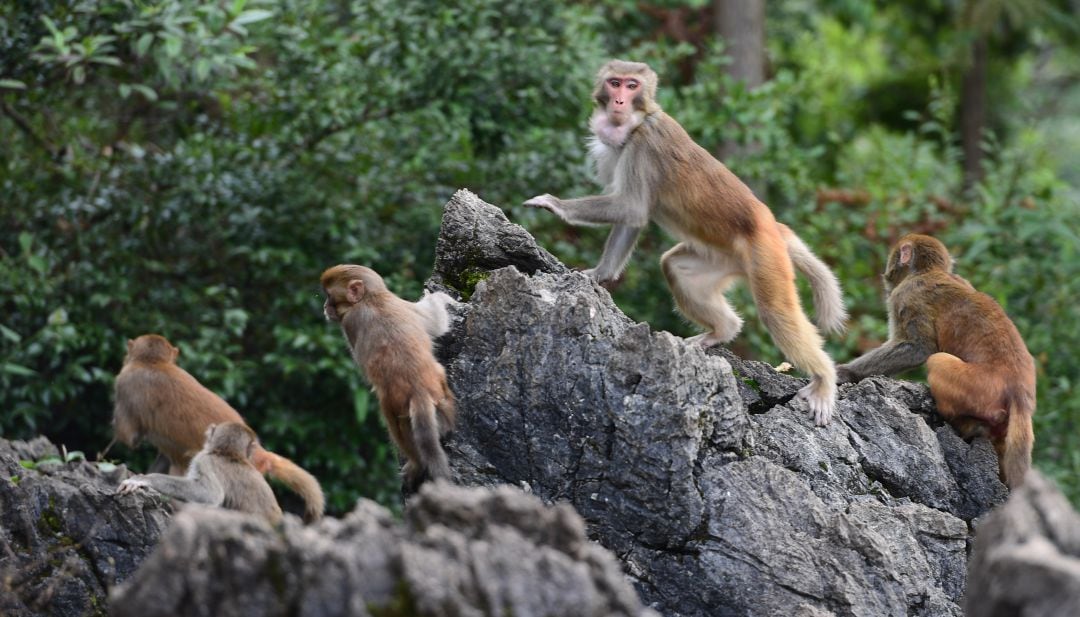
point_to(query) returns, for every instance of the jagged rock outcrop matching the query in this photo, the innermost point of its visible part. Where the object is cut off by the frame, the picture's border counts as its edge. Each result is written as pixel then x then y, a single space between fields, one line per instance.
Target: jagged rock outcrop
pixel 460 552
pixel 64 538
pixel 702 472
pixel 1026 559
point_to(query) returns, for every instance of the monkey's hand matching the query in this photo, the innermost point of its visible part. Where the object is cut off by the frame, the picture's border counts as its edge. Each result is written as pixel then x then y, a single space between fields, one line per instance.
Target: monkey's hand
pixel 547 202
pixel 132 485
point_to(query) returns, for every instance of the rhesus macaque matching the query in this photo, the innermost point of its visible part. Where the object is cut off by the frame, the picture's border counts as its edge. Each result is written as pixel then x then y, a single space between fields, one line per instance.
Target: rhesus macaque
pixel 981 375
pixel 390 340
pixel 652 170
pixel 221 474
pixel 159 402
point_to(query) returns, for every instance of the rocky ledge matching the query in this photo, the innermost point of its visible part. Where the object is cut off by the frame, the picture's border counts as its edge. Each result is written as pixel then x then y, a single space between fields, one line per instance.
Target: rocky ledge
pixel 662 477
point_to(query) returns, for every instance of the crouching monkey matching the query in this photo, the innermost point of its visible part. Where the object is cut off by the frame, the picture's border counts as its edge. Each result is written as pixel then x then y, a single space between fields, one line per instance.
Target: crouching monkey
pixel 981 375
pixel 159 402
pixel 390 340
pixel 221 474
pixel 652 170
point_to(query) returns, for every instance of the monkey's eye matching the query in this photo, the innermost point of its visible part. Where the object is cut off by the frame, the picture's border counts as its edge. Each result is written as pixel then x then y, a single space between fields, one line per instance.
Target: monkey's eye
pixel 632 85
pixel 614 83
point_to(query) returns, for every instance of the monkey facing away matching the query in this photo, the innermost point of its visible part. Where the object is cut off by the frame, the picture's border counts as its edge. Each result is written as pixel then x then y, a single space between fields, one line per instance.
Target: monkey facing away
pixel 653 170
pixel 390 340
pixel 221 474
pixel 159 402
pixel 980 373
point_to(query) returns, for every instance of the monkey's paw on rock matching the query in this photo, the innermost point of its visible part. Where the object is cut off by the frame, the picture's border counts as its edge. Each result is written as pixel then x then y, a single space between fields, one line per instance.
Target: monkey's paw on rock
pixel 459 551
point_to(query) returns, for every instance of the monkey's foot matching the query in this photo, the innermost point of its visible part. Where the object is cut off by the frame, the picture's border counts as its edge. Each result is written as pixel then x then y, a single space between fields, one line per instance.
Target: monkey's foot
pixel 821 398
pixel 132 485
pixel 711 339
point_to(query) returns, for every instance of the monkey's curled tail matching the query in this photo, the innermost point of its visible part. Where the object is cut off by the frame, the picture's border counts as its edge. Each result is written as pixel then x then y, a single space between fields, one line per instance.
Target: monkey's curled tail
pixel 829 312
pixel 298 480
pixel 426 433
pixel 1016 457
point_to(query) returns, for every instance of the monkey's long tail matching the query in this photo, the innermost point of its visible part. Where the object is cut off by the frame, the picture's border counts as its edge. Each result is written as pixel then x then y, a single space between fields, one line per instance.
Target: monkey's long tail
pixel 829 312
pixel 1016 459
pixel 425 429
pixel 298 480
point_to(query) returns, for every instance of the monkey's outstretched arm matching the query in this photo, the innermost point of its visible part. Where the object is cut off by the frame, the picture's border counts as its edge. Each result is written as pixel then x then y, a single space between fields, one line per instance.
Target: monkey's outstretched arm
pixel 607 209
pixel 891 358
pixel 617 250
pixel 199 489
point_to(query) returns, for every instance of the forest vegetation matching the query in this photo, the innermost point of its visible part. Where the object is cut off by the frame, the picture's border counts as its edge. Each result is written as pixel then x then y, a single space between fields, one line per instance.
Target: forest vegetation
pixel 189 168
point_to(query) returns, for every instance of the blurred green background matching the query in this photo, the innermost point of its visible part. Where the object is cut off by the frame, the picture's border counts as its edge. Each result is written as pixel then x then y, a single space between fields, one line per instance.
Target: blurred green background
pixel 189 168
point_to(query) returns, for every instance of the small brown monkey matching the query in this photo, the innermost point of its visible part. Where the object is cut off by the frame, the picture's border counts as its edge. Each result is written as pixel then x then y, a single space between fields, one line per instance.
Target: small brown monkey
pixel 390 340
pixel 221 474
pixel 652 170
pixel 159 402
pixel 981 375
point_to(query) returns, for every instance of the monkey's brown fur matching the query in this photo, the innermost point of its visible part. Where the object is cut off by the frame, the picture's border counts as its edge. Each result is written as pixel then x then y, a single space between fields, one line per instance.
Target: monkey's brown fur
pixel 980 372
pixel 159 402
pixel 221 474
pixel 653 170
pixel 390 340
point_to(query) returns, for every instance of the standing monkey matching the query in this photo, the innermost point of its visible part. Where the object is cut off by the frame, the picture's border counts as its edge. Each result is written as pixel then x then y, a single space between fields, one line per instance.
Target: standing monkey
pixel 980 373
pixel 390 340
pixel 652 170
pixel 221 474
pixel 159 402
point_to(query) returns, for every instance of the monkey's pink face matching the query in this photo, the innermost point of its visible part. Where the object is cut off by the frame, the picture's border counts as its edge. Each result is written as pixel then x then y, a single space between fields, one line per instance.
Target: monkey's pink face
pixel 621 93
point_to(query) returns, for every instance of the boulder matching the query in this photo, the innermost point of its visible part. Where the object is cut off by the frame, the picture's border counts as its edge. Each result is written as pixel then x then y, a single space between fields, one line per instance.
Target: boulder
pixel 460 551
pixel 704 473
pixel 65 539
pixel 1026 559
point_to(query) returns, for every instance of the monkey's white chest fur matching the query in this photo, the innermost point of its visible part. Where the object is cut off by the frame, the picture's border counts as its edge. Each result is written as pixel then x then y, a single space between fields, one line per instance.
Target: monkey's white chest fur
pixel 604 158
pixel 607 143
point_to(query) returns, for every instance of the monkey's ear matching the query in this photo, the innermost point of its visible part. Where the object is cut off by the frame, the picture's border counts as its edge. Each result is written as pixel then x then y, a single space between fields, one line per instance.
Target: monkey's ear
pixel 130 344
pixel 906 252
pixel 354 291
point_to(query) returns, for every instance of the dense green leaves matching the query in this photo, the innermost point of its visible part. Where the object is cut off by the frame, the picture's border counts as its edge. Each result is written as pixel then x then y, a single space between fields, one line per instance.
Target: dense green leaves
pixel 190 168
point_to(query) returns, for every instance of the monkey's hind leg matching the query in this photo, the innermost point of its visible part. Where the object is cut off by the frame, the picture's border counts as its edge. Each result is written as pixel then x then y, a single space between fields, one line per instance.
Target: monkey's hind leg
pixel 698 283
pixel 772 282
pixel 962 390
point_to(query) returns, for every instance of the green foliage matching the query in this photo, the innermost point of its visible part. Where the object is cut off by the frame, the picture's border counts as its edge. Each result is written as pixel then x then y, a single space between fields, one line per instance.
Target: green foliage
pixel 190 168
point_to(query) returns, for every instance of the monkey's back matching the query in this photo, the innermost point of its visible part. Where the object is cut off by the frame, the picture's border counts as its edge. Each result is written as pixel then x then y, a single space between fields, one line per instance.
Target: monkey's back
pixel 246 490
pixel 398 358
pixel 170 407
pixel 713 203
pixel 972 326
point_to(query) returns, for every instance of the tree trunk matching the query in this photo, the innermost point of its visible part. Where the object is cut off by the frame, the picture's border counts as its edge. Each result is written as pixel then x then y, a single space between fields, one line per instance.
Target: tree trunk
pixel 973 112
pixel 741 23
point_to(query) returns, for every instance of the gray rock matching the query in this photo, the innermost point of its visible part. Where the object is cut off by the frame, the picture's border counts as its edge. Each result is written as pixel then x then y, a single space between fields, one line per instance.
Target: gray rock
pixel 702 472
pixel 64 537
pixel 460 552
pixel 1026 559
